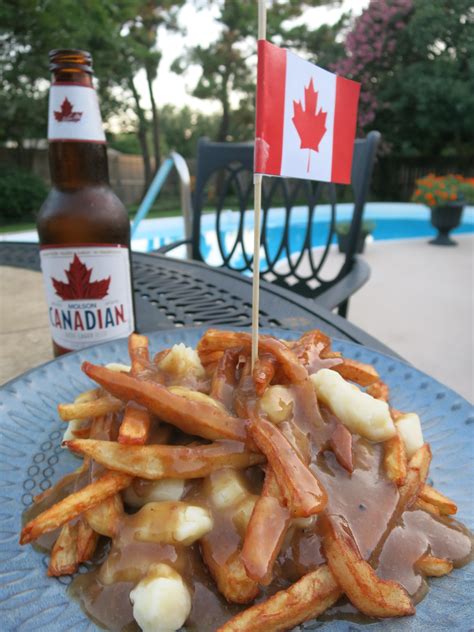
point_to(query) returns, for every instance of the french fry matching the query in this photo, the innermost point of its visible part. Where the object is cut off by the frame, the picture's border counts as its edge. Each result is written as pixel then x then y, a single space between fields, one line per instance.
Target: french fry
pixel 446 506
pixel 63 559
pixel 92 408
pixel 263 373
pixel 135 426
pixel 417 472
pixel 230 576
pixel 341 444
pixel 139 353
pixel 88 396
pixel 305 599
pixel 104 518
pixel 373 596
pixel 265 532
pixel 87 540
pixel 224 378
pixel 395 460
pixel 313 350
pixel 379 390
pixel 215 342
pixel 431 566
pixel 63 482
pixel 74 504
pixel 136 423
pixel 196 418
pixel 428 507
pixel 167 461
pixel 358 372
pixel 301 490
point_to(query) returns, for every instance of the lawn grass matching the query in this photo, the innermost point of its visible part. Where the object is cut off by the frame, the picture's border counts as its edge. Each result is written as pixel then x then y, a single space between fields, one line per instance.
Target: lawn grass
pixel 17 227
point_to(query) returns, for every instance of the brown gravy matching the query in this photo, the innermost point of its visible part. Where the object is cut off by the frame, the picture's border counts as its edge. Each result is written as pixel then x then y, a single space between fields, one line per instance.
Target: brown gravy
pixel 365 498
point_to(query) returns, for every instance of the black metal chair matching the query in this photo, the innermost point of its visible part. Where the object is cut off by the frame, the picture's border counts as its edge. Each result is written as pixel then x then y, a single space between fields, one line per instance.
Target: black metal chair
pixel 224 181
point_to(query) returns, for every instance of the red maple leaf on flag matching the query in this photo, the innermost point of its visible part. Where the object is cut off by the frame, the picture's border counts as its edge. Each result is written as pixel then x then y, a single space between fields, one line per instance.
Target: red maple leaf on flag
pixel 311 126
pixel 67 113
pixel 79 284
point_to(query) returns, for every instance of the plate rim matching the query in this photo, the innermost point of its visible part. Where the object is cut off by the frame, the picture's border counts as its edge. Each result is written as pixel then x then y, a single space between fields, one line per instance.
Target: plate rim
pixel 442 586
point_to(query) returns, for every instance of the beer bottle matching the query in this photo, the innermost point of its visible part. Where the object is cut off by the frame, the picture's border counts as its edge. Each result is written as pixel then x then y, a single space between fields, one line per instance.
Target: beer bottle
pixel 83 227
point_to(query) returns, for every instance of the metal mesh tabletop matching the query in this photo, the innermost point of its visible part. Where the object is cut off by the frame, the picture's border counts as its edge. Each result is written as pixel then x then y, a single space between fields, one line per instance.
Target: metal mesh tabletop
pixel 172 292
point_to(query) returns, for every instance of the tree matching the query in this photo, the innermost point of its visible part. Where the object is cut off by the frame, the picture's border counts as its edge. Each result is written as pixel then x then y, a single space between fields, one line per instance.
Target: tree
pixel 25 44
pixel 142 41
pixel 229 64
pixel 182 128
pixel 415 59
pixel 121 35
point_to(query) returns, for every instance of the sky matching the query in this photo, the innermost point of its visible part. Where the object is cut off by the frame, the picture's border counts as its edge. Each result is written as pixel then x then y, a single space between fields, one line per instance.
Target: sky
pixel 201 28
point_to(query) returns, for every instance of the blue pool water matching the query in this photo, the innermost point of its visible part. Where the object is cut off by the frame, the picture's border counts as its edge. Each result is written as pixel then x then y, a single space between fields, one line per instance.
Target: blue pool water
pixel 393 221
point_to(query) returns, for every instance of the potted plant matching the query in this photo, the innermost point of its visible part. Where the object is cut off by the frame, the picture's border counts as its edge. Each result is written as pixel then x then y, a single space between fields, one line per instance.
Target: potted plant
pixel 445 196
pixel 342 232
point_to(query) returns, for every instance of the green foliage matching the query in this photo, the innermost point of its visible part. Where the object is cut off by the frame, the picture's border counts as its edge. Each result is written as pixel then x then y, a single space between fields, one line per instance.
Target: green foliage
pixel 415 59
pixel 228 65
pixel 21 194
pixel 120 34
pixel 182 128
pixel 368 226
pixel 466 189
pixel 126 143
pixel 443 190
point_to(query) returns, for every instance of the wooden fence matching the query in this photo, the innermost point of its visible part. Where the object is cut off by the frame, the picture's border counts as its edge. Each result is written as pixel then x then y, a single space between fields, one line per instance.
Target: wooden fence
pixel 393 180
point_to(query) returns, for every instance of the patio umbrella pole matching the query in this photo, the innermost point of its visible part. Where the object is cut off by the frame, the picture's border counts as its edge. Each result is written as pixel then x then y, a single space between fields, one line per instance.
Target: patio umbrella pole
pixel 257 179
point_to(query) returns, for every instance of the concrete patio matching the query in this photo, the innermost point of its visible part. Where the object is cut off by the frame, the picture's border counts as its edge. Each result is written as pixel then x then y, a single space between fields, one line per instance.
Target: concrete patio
pixel 419 301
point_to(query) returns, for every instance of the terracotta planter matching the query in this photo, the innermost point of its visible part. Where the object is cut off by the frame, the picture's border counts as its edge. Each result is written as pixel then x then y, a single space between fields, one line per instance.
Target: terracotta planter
pixel 445 219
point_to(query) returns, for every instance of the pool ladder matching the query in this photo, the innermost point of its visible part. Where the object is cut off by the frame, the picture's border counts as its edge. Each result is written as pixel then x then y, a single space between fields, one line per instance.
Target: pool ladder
pixel 178 162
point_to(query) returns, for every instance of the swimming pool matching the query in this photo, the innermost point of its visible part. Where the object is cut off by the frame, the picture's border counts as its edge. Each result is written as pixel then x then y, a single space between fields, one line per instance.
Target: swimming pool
pixel 393 221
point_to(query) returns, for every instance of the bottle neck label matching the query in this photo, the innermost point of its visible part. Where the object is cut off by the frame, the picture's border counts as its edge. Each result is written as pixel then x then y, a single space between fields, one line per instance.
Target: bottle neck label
pixel 89 293
pixel 74 114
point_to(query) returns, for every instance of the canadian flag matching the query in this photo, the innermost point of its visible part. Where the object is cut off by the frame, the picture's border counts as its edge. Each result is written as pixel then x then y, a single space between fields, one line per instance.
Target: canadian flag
pixel 306 118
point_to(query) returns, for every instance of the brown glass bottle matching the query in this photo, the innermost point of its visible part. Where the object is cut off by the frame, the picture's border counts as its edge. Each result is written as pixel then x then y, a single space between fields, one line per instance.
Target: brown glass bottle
pixel 83 227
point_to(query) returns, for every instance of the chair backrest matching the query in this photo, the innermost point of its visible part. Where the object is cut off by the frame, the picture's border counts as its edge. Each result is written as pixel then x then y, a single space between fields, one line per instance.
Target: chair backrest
pixel 298 216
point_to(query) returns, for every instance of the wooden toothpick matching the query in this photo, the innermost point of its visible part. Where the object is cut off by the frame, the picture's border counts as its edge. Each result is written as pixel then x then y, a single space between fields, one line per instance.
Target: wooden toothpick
pixel 262 28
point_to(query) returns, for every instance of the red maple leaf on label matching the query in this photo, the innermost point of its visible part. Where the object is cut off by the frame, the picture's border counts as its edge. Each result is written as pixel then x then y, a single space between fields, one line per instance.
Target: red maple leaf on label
pixel 67 113
pixel 79 284
pixel 310 126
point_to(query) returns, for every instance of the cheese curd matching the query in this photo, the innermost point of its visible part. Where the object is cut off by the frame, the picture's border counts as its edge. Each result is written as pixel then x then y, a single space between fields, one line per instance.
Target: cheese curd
pixel 409 427
pixel 118 367
pixel 171 523
pixel 226 487
pixel 161 601
pixel 182 361
pixel 277 403
pixel 357 410
pixel 155 491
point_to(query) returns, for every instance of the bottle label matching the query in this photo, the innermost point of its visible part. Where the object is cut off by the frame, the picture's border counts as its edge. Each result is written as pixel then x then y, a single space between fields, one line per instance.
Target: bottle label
pixel 74 114
pixel 89 293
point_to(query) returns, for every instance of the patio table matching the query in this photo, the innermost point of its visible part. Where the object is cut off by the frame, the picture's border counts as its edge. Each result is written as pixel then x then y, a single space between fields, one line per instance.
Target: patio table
pixel 181 293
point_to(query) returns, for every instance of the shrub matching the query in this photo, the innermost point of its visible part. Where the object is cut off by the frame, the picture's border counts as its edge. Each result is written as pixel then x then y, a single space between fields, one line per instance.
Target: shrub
pixel 21 194
pixel 467 190
pixel 368 226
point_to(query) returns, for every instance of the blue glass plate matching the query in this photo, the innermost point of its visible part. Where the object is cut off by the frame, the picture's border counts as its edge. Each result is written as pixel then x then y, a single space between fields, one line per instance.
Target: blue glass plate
pixel 31 459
